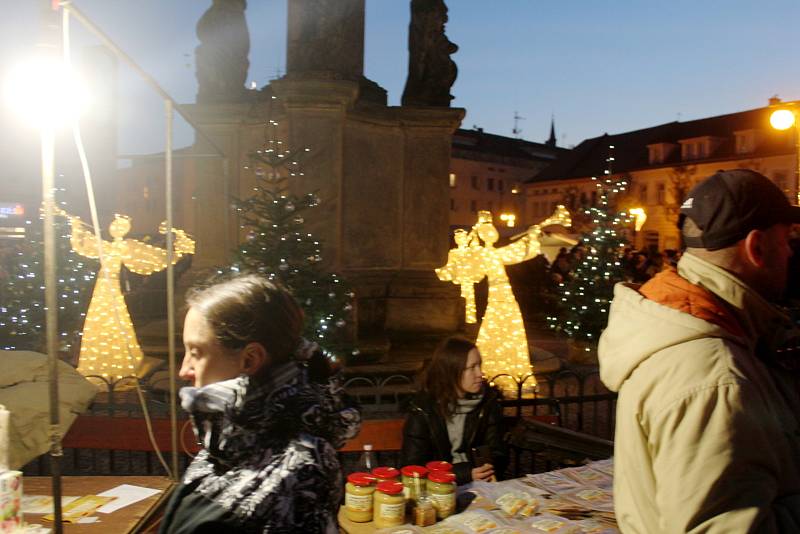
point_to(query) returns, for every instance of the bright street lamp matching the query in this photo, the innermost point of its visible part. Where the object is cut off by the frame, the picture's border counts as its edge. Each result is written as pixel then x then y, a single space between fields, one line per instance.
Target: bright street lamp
pixel 783 118
pixel 46 94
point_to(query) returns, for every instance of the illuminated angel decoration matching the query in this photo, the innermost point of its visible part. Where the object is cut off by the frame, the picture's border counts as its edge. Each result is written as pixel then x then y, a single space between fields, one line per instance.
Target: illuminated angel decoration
pixel 461 271
pixel 109 347
pixel 501 339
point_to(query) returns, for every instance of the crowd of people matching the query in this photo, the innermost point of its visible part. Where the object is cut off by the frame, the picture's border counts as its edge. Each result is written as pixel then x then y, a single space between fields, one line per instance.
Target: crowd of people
pixel 638 266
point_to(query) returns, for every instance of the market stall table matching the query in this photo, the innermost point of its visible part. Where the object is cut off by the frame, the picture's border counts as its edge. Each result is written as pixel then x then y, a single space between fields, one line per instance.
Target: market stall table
pixel 141 516
pixel 581 498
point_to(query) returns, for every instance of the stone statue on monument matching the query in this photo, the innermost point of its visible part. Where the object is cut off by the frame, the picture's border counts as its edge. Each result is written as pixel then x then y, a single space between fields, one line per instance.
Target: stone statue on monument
pixel 221 58
pixel 431 71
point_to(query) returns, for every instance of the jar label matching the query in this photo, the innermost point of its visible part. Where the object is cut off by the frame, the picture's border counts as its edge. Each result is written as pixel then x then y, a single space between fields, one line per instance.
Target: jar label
pixel 392 511
pixel 444 502
pixel 358 503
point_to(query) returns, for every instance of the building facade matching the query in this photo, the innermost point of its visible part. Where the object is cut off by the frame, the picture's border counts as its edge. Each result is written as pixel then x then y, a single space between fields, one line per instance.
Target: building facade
pixel 487 172
pixel 661 164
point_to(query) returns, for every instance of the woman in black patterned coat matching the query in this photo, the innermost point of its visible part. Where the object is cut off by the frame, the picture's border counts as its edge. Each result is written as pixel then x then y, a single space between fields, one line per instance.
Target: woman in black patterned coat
pixel 268 412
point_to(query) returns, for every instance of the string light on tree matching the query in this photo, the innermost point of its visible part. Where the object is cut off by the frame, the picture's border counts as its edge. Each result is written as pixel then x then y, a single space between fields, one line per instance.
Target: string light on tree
pixel 22 317
pixel 502 340
pixel 273 220
pixel 585 298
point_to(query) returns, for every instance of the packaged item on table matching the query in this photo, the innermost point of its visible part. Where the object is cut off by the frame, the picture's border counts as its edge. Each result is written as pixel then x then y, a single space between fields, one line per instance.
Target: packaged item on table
pixel 402 529
pixel 588 476
pixel 506 530
pixel 478 521
pixel 10 501
pixel 514 502
pixel 358 497
pixel 554 482
pixel 389 505
pixel 414 480
pixel 386 473
pixel 594 526
pixel 442 491
pixel 606 466
pixel 591 498
pixel 446 529
pixel 552 524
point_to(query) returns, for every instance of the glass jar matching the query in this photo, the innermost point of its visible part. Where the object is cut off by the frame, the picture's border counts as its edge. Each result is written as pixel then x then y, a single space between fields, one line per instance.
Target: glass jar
pixel 390 505
pixel 358 497
pixel 424 512
pixel 413 480
pixel 442 491
pixel 386 473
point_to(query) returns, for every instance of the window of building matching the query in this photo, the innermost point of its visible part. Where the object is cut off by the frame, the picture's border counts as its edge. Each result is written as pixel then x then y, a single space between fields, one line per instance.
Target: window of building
pixel 452 204
pixel 476 182
pixel 661 194
pixel 643 194
pixel 473 206
pixel 745 142
pixel 490 184
pixel 656 153
pixel 584 199
pixel 594 198
pixel 452 179
pixel 500 184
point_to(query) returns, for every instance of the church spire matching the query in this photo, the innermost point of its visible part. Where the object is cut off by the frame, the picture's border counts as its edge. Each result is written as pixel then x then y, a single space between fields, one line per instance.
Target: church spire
pixel 552 140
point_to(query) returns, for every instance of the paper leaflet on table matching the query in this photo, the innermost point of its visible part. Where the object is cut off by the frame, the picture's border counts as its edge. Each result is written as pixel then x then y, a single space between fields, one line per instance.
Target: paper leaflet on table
pixel 124 495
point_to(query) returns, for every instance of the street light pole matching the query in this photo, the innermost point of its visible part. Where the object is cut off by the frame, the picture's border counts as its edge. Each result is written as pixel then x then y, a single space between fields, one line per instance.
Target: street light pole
pixel 784 117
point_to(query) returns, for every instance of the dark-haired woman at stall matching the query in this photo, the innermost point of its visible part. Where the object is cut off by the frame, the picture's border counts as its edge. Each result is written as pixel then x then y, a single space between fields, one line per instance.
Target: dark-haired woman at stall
pixel 268 411
pixel 456 417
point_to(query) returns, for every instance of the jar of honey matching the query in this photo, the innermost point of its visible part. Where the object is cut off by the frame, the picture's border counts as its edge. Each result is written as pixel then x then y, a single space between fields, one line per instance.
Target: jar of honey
pixel 358 497
pixel 442 491
pixel 389 508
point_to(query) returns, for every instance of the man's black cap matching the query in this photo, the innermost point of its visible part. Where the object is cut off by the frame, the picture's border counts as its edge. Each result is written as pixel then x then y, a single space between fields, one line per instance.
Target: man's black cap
pixel 729 204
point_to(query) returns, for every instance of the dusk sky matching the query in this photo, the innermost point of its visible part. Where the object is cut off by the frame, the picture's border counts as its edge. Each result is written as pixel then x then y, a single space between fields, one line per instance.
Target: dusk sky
pixel 595 66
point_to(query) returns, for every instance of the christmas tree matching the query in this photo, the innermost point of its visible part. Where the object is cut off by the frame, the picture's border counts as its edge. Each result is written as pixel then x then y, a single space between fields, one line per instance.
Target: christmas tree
pixel 22 309
pixel 585 296
pixel 277 244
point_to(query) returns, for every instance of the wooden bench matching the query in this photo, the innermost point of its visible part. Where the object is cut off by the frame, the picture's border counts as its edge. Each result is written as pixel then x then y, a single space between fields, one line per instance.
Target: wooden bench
pixel 130 434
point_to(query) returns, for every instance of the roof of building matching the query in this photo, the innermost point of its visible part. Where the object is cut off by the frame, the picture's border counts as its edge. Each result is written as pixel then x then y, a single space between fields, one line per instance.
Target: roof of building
pixel 631 148
pixel 479 142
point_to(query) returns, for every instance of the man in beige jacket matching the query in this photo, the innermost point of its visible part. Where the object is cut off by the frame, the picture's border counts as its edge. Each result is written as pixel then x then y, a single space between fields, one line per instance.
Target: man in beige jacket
pixel 707 431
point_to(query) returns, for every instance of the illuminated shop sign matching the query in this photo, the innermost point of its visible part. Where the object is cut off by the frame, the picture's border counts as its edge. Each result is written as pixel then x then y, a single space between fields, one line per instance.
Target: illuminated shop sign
pixel 10 209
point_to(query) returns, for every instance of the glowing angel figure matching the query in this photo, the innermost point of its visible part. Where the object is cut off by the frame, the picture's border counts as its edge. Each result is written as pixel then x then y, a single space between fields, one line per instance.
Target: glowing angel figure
pixel 501 339
pixel 462 270
pixel 108 333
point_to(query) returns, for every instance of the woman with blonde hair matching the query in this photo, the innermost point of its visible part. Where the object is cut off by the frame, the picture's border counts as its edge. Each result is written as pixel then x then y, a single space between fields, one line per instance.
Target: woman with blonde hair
pixel 456 417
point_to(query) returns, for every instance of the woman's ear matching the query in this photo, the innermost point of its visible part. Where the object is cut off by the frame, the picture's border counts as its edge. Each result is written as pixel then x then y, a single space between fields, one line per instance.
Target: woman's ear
pixel 254 358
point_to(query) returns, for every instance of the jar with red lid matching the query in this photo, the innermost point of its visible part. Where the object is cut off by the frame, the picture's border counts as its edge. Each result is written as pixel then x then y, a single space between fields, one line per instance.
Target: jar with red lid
pixel 389 508
pixel 386 473
pixel 414 480
pixel 442 491
pixel 358 497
